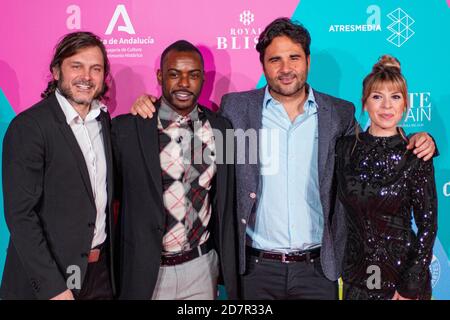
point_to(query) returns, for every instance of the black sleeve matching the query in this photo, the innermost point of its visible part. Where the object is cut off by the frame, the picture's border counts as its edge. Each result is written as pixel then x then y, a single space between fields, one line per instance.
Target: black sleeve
pixel 23 180
pixel 118 241
pixel 234 291
pixel 424 205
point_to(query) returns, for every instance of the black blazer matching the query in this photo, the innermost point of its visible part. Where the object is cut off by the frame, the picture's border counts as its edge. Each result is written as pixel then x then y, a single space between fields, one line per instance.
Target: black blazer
pixel 142 216
pixel 49 204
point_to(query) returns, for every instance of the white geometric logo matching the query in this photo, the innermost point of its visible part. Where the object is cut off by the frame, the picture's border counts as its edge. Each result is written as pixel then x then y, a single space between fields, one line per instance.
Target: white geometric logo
pixel 246 17
pixel 400 27
pixel 128 27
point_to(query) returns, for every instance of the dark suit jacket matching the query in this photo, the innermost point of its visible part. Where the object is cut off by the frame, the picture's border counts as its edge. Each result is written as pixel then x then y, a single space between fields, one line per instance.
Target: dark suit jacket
pixel 49 204
pixel 335 119
pixel 142 214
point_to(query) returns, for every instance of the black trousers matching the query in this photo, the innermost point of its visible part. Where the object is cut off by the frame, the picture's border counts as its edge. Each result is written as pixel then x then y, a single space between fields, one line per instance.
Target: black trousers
pixel 268 279
pixel 97 282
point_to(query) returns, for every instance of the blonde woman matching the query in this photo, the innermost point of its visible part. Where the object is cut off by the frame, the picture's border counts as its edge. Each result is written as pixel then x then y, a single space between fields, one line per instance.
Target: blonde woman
pixel 382 186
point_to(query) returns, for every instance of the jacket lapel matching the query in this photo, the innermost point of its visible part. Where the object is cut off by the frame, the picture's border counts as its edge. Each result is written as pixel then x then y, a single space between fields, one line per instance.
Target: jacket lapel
pixel 73 145
pixel 324 126
pixel 255 120
pixel 148 140
pixel 106 132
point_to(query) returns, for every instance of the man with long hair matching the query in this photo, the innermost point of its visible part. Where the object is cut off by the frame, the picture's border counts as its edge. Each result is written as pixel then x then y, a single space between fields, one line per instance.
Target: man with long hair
pixel 58 180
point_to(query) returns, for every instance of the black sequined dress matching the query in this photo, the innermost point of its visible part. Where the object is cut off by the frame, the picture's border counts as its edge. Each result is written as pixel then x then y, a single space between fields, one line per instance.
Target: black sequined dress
pixel 382 186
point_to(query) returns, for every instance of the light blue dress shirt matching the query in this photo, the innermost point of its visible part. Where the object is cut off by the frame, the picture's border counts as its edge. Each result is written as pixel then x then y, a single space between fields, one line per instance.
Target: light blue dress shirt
pixel 289 214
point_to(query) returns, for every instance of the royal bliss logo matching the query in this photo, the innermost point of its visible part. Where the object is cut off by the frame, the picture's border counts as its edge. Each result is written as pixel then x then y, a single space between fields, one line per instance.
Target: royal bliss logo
pixel 244 35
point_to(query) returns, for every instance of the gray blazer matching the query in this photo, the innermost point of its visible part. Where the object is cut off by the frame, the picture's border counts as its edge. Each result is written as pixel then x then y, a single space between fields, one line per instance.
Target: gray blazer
pixel 336 119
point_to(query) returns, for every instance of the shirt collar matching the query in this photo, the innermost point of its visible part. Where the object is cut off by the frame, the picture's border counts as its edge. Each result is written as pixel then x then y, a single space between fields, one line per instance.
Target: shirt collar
pixel 72 115
pixel 169 116
pixel 310 103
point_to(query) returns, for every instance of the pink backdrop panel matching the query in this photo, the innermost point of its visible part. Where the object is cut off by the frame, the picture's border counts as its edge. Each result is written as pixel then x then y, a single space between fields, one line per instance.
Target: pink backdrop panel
pixel 225 31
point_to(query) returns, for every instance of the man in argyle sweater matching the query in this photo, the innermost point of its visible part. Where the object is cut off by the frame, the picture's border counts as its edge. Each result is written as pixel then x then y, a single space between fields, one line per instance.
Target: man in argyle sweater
pixel 177 227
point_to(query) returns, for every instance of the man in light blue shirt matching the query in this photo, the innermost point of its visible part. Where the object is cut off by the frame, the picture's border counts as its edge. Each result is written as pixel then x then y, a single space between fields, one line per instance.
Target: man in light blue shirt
pixel 289 214
pixel 291 228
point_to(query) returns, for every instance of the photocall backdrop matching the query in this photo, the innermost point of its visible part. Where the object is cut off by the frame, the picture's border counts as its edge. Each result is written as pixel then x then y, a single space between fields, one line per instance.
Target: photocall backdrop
pixel 348 36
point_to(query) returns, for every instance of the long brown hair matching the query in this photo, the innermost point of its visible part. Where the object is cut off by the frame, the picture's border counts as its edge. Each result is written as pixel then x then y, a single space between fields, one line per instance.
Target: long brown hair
pixel 70 45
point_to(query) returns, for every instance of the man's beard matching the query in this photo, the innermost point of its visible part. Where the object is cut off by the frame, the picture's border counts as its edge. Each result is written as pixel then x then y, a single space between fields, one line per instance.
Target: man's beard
pixel 287 93
pixel 300 86
pixel 66 92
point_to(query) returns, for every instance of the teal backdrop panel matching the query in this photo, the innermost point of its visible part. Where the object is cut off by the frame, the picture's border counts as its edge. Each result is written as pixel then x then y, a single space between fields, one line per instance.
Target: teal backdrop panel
pixel 349 36
pixel 6 115
pixel 347 39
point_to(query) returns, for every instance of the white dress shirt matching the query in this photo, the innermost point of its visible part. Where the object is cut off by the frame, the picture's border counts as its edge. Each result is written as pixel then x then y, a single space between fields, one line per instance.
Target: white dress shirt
pixel 88 133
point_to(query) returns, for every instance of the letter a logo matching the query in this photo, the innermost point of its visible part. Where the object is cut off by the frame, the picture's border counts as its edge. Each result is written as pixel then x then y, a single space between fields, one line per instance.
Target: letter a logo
pixel 120 11
pixel 374 281
pixel 74 280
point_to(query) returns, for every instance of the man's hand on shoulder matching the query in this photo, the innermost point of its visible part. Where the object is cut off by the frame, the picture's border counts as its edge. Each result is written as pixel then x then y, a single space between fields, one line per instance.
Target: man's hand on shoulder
pixel 144 106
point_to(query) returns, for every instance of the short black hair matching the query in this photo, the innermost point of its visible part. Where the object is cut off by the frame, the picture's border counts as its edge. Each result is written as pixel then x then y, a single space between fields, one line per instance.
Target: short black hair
pixel 181 46
pixel 283 27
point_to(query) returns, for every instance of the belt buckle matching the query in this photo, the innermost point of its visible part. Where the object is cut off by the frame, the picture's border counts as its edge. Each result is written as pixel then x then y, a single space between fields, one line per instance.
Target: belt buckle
pixel 283 258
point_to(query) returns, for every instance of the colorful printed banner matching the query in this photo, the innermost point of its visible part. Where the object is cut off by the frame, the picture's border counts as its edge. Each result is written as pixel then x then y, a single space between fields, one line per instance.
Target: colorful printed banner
pixel 347 38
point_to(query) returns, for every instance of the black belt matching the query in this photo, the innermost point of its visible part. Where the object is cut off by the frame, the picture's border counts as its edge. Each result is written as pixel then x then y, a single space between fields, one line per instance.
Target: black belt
pixel 285 257
pixel 182 257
